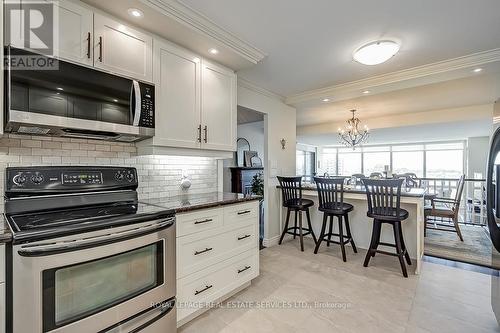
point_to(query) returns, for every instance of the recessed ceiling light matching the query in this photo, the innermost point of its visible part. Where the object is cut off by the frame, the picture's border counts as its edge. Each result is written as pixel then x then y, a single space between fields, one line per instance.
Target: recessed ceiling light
pixel 366 92
pixel 326 100
pixel 135 12
pixel 377 52
pixel 477 70
pixel 213 51
pixel 59 88
pixel 115 100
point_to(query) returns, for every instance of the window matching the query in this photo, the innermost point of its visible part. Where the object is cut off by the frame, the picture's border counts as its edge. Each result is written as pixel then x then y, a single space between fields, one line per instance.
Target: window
pixel 329 161
pixel 444 160
pixel 349 162
pixel 408 159
pixel 306 162
pixel 434 160
pixel 375 159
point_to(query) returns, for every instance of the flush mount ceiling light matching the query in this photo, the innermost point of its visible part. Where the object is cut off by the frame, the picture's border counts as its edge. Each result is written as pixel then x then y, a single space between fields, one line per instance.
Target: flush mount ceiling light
pixel 377 52
pixel 135 12
pixel 213 51
pixel 326 100
pixel 477 70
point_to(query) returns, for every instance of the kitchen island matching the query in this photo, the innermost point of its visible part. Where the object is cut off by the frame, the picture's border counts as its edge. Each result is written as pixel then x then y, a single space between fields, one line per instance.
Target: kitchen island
pixel 361 226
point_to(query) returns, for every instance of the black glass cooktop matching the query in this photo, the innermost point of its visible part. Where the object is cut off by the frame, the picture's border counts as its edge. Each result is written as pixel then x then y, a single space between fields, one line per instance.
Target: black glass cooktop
pixel 70 216
pixel 54 223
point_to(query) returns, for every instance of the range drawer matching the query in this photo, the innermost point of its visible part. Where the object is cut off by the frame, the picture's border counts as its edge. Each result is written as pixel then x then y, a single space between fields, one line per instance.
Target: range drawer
pixel 203 220
pixel 241 213
pixel 198 251
pixel 198 290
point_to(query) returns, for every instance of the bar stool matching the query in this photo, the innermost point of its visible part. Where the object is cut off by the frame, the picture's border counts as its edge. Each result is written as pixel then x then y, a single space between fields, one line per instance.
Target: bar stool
pixel 331 203
pixel 291 189
pixel 384 206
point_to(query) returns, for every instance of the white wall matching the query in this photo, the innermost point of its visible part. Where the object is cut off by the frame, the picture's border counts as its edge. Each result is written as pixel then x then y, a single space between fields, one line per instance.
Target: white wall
pixel 280 123
pixel 254 133
pixel 477 155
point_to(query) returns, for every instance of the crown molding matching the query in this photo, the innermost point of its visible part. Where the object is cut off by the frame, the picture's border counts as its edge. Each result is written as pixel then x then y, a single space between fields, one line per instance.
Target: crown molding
pixel 191 18
pixel 249 85
pixel 440 67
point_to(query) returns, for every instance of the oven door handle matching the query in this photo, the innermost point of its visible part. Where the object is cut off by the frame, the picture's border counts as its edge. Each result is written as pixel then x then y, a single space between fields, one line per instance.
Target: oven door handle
pixel 81 244
pixel 164 308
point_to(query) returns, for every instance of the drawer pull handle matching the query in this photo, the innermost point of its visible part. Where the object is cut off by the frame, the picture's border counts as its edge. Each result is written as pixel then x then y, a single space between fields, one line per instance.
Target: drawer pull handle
pixel 203 221
pixel 243 269
pixel 197 292
pixel 243 237
pixel 203 251
pixel 244 212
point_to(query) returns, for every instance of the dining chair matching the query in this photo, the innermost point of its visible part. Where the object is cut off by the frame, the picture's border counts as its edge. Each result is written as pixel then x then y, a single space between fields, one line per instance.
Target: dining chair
pixel 445 208
pixel 291 189
pixel 359 177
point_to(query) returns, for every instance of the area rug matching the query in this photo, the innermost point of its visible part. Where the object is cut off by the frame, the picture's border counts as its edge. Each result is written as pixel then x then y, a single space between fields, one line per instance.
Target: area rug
pixel 475 249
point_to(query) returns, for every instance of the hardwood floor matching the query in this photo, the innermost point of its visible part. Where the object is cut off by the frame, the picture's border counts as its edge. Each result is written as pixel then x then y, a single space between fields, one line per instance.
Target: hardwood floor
pixel 302 292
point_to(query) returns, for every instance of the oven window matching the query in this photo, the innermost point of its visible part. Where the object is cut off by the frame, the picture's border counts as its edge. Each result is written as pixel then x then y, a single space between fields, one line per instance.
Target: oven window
pixel 78 291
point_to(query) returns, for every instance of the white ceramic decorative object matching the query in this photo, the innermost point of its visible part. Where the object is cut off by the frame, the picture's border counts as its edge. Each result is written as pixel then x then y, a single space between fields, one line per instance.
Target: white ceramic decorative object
pixel 185 182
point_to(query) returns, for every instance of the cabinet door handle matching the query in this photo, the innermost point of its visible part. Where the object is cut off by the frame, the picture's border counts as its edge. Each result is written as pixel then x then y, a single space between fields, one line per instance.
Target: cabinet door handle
pixel 244 269
pixel 203 221
pixel 206 134
pixel 244 212
pixel 100 48
pixel 199 133
pixel 88 44
pixel 208 249
pixel 244 237
pixel 197 292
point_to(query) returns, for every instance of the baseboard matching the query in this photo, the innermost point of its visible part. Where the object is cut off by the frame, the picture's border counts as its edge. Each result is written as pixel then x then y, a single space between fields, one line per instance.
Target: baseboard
pixel 268 242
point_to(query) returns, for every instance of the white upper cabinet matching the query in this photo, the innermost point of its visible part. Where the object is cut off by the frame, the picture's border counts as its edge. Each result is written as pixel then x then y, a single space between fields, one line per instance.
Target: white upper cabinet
pixel 178 84
pixel 121 49
pixel 75 32
pixel 218 107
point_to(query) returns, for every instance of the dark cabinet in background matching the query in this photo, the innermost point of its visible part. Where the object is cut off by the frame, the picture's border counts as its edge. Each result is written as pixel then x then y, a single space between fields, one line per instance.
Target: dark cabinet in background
pixel 241 178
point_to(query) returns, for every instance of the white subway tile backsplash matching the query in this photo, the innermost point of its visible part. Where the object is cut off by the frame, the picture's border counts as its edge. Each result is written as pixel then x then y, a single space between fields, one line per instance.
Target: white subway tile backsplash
pixel 159 176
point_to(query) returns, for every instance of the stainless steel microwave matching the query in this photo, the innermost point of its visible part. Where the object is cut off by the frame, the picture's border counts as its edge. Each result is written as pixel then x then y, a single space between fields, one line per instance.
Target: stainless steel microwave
pixel 75 101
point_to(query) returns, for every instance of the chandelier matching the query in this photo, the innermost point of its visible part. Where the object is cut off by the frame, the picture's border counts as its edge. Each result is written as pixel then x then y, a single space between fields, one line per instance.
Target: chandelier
pixel 351 135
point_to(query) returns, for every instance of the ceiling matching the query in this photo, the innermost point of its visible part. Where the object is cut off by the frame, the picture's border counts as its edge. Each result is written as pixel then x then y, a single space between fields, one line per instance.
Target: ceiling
pixel 246 115
pixel 459 130
pixel 473 90
pixel 177 23
pixel 310 44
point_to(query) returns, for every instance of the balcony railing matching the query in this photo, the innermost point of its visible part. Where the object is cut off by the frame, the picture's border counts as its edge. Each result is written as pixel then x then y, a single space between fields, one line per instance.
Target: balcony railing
pixel 473 204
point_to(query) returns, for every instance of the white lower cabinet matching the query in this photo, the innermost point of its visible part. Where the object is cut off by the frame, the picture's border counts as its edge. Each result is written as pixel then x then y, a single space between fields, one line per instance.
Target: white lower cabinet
pixel 213 263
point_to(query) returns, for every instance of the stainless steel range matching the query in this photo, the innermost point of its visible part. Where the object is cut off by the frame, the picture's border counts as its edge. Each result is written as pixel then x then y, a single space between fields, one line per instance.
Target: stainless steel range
pixel 86 255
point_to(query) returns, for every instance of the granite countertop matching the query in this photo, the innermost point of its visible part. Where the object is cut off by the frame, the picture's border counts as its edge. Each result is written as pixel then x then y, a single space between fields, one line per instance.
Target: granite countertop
pixel 410 192
pixel 5 235
pixel 190 202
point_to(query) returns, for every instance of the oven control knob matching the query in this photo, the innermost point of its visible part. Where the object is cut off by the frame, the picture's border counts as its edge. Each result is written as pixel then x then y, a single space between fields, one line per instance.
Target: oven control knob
pixel 119 176
pixel 19 179
pixel 37 179
pixel 130 177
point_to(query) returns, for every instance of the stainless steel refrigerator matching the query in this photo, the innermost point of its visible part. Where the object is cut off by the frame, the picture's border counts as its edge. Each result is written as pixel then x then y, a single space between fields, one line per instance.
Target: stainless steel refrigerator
pixel 493 204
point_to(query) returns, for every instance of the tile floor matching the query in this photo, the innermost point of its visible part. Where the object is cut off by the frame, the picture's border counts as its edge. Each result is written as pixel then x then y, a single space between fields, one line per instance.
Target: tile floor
pixel 353 298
